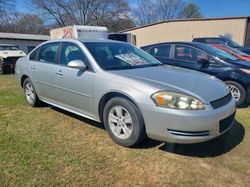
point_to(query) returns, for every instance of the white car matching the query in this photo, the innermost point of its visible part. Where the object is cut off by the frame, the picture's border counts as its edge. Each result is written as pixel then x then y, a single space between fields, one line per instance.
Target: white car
pixel 8 57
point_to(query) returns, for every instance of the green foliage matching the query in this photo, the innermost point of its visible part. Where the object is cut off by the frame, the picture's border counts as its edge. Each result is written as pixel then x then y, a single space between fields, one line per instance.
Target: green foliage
pixel 191 10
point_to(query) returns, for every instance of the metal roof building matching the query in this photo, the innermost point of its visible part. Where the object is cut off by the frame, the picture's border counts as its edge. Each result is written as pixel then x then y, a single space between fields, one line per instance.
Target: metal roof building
pixel 237 28
pixel 25 42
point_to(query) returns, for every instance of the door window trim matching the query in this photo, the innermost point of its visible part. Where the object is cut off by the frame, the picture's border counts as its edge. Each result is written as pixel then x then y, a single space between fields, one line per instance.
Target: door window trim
pixel 57 53
pixel 173 52
pixel 90 68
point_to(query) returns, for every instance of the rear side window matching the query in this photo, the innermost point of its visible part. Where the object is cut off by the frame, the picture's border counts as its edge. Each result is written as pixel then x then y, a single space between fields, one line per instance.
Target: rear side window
pixel 160 51
pixel 48 52
pixel 33 56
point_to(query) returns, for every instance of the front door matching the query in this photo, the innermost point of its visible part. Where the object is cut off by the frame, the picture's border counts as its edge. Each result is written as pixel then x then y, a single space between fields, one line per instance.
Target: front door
pixel 188 57
pixel 74 86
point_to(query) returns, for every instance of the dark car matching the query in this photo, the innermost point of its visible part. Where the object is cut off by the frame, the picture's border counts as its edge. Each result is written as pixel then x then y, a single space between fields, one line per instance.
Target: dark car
pixel 201 57
pixel 222 41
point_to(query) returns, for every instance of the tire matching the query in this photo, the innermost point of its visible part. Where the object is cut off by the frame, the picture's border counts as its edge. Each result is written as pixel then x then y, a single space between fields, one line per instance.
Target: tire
pixel 30 93
pixel 238 92
pixel 1 69
pixel 123 122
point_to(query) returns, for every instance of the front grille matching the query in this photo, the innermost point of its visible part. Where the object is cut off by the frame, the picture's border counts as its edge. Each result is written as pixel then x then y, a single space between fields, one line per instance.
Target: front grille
pixel 222 101
pixel 225 123
pixel 188 133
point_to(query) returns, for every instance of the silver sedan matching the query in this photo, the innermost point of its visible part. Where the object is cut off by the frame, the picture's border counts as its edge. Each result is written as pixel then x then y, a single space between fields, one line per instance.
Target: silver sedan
pixel 132 93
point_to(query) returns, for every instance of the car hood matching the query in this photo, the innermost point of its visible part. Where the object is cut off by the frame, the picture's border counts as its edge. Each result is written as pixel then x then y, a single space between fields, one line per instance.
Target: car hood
pixel 205 87
pixel 244 48
pixel 240 64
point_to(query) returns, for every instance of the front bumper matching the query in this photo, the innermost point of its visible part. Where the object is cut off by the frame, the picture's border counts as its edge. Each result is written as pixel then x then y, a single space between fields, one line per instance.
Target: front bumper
pixel 182 126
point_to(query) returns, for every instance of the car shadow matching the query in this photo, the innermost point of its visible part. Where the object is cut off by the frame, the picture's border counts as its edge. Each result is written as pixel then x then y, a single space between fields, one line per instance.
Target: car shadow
pixel 80 118
pixel 212 148
pixel 245 105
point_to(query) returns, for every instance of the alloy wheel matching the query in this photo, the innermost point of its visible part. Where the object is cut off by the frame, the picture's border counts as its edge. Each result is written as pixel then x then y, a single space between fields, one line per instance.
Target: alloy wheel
pixel 120 122
pixel 29 92
pixel 234 91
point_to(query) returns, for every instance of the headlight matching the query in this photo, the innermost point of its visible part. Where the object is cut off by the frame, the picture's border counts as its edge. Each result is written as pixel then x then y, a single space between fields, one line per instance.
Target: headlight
pixel 245 70
pixel 177 101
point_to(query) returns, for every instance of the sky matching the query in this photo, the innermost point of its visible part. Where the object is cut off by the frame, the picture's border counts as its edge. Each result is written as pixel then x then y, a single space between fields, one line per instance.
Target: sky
pixel 209 8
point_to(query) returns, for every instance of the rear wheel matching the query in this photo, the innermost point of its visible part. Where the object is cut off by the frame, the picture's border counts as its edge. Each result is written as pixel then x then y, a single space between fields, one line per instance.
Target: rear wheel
pixel 123 122
pixel 30 93
pixel 238 92
pixel 1 68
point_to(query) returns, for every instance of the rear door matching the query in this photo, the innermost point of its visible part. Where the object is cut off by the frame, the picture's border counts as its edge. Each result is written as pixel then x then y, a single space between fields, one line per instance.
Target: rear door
pixel 43 63
pixel 162 53
pixel 74 86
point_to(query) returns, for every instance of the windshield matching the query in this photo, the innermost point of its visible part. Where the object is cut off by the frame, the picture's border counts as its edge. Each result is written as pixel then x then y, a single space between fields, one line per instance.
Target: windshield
pixel 232 43
pixel 5 48
pixel 115 55
pixel 218 52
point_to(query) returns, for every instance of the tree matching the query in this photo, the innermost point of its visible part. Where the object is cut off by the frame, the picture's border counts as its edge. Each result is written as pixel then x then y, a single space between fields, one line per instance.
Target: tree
pixel 5 6
pixel 83 12
pixel 145 12
pixel 191 10
pixel 150 11
pixel 16 22
pixel 169 9
pixel 30 24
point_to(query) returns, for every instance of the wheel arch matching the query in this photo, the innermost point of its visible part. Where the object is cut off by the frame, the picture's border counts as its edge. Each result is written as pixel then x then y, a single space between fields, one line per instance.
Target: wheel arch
pixel 106 97
pixel 237 81
pixel 23 79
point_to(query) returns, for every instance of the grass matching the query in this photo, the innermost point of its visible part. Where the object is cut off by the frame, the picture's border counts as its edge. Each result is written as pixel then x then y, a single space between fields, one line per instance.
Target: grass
pixel 48 147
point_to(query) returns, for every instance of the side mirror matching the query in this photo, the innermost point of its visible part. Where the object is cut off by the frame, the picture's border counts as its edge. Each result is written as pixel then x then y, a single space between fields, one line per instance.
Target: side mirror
pixel 77 64
pixel 203 62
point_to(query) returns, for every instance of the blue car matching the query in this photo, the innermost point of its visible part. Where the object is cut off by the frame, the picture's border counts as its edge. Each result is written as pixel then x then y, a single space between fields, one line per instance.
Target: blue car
pixel 201 57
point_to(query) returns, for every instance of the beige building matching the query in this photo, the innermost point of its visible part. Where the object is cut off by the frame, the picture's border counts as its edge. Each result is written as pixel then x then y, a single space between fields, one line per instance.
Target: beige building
pixel 237 28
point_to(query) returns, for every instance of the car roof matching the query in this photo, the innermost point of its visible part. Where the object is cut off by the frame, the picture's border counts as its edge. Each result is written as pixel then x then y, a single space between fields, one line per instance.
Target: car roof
pixel 209 38
pixel 195 44
pixel 84 40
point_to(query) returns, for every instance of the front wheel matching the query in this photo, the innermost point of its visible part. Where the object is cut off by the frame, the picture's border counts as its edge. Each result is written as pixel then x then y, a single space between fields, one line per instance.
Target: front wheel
pixel 30 93
pixel 237 91
pixel 123 122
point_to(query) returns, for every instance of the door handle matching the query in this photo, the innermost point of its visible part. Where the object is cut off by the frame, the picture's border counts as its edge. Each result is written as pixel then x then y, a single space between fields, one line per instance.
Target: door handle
pixel 60 73
pixel 33 67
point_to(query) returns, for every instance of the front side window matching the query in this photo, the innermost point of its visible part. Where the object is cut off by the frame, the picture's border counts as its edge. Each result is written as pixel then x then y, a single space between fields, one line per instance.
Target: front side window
pixel 71 52
pixel 186 53
pixel 48 52
pixel 116 55
pixel 160 51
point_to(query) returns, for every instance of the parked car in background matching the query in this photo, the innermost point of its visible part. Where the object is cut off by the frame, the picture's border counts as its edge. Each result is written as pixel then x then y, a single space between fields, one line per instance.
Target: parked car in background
pixel 201 57
pixel 233 51
pixel 131 92
pixel 8 57
pixel 222 41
